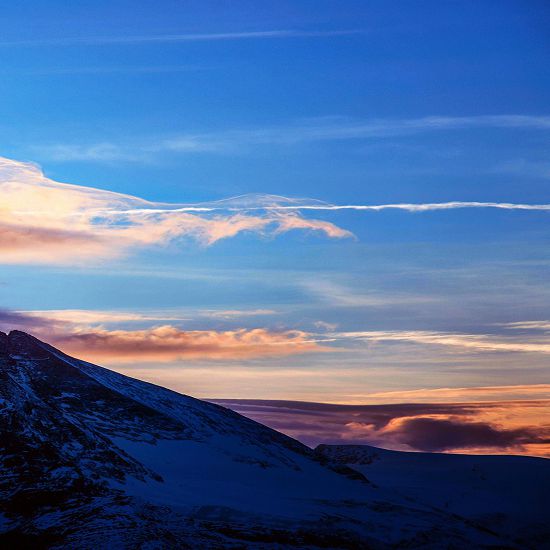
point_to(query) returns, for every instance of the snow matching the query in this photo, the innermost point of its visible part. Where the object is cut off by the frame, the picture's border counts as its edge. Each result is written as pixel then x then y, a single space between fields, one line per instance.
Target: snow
pixel 105 461
pixel 505 492
pixel 196 475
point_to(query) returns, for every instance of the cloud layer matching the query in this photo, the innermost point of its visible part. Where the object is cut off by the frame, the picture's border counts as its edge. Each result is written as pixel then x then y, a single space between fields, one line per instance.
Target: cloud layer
pixel 515 427
pixel 489 419
pixel 169 343
pixel 78 333
pixel 122 336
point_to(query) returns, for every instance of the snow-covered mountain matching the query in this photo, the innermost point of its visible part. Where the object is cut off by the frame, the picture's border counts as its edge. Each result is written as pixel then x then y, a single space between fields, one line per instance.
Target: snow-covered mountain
pixel 506 494
pixel 93 459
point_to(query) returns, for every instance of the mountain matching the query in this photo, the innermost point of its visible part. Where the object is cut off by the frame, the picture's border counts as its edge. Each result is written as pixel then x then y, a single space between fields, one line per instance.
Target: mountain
pixel 508 494
pixel 93 459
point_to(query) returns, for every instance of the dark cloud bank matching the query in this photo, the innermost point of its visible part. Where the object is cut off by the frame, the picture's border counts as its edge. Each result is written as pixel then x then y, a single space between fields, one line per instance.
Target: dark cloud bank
pixel 416 426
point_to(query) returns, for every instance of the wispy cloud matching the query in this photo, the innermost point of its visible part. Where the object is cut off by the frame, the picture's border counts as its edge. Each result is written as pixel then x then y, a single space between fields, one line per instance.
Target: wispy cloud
pixel 42 220
pixel 236 313
pixel 461 394
pixel 340 295
pixel 102 70
pixel 275 203
pixel 472 342
pixel 90 317
pixel 425 207
pixel 97 152
pixel 86 317
pixel 45 221
pixel 303 132
pixel 175 38
pixel 136 152
pixel 529 325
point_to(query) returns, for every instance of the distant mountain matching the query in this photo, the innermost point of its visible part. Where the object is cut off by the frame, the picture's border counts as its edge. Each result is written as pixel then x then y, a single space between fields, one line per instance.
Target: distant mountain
pixel 91 459
pixel 506 494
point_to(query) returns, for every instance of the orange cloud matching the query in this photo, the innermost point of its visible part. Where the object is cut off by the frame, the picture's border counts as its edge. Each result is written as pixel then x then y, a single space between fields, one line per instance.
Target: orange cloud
pixel 465 394
pixel 168 343
pixel 45 221
pixel 286 222
pixel 26 244
pixel 83 333
pixel 499 427
pixel 443 433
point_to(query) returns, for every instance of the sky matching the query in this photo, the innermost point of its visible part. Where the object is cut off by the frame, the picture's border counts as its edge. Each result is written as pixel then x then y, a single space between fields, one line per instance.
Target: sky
pixel 330 202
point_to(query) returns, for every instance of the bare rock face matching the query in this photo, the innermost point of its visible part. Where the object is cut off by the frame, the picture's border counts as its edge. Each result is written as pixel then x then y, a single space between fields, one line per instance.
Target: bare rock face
pixel 4 341
pixel 93 459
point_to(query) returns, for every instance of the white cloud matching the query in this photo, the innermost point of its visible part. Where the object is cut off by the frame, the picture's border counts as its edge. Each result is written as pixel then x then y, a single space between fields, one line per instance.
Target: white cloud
pixel 474 342
pixel 90 317
pixel 312 130
pixel 529 325
pixel 189 37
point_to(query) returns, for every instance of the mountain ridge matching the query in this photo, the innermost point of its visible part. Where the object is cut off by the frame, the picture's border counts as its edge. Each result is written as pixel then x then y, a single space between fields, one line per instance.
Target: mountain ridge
pixel 90 457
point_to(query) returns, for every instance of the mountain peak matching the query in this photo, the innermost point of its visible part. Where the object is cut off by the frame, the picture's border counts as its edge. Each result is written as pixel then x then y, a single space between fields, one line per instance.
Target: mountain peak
pixel 17 334
pixel 19 343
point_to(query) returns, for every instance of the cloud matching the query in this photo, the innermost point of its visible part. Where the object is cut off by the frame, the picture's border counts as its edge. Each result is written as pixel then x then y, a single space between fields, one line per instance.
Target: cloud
pixel 543 325
pixel 49 222
pixel 477 342
pixel 44 221
pixel 96 152
pixel 516 427
pixel 49 245
pixel 324 326
pixel 91 317
pixel 174 38
pixel 78 333
pixel 485 419
pixel 169 343
pixel 323 129
pixel 464 394
pixel 236 313
pixel 87 316
pixel 425 207
pixel 434 434
pixel 20 320
pixel 339 295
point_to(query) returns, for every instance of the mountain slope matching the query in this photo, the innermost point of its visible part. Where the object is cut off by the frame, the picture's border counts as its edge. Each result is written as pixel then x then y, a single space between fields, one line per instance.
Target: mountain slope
pixel 90 458
pixel 508 494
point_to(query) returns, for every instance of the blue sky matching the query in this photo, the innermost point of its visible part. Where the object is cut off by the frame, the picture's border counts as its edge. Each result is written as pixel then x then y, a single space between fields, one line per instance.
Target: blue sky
pixel 351 103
